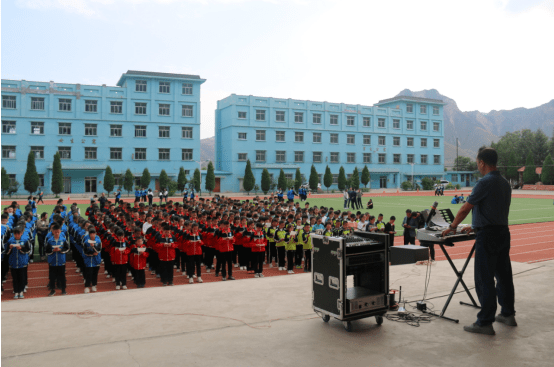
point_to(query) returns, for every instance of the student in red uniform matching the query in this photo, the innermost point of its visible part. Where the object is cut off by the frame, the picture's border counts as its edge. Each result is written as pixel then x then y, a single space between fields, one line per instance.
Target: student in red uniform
pixel 225 239
pixel 119 256
pixel 194 253
pixel 137 259
pixel 165 247
pixel 258 250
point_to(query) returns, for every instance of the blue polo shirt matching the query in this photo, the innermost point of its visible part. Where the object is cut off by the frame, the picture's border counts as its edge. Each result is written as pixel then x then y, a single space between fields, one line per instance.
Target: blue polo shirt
pixel 491 198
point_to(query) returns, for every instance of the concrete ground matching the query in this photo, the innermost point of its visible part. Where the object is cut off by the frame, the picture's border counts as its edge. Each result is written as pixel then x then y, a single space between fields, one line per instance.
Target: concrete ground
pixel 270 322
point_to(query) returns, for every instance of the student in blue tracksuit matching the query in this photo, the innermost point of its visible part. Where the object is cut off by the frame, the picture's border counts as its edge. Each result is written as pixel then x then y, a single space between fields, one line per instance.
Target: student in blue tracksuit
pixel 33 204
pixel 143 194
pixel 118 196
pixel 280 195
pixel 92 247
pixel 137 195
pixel 56 247
pixel 18 250
pixel 290 195
pixel 454 200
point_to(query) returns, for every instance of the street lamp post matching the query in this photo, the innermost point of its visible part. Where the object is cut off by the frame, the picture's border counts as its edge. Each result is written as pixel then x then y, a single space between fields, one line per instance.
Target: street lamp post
pixel 413 164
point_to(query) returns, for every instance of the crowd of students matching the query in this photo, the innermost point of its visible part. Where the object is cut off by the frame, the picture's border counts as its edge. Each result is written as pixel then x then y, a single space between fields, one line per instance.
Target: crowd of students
pixel 170 238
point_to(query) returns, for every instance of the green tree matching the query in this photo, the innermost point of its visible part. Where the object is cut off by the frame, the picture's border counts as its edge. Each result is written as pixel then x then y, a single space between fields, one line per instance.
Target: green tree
pixel 210 178
pixel 266 181
pixel 540 147
pixel 314 179
pixel 164 180
pixel 181 180
pixel 282 181
pixel 427 183
pixel 249 180
pixel 5 181
pixel 511 169
pixel 366 177
pixel 109 180
pixel 355 179
pixel 57 175
pixel 464 164
pixel 342 179
pixel 547 175
pixel 31 180
pixel 129 181
pixel 529 174
pixel 197 179
pixel 327 178
pixel 145 178
pixel 298 180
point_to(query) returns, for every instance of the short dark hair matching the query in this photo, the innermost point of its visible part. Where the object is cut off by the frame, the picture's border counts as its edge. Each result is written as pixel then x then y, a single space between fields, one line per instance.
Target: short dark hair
pixel 488 156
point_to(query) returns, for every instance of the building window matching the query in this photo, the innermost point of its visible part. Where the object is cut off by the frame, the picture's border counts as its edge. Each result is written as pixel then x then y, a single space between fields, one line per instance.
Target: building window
pixel 367 139
pixel 335 179
pixel 243 157
pixel 289 176
pixel 299 117
pixel 380 122
pixel 350 157
pixel 91 130
pixel 367 157
pixel 424 159
pixel 423 109
pixel 396 158
pixel 350 139
pixel 140 131
pixel 410 158
pixel 334 138
pixel 367 121
pixel 64 128
pixel 396 124
pixel 260 135
pixel 396 141
pixel 91 105
pixel 317 118
pixel 187 111
pixel 116 154
pixel 454 177
pixel 65 152
pixel 436 143
pixel 242 115
pixel 410 142
pixel 242 136
pixel 140 108
pixel 298 137
pixel 116 130
pixel 279 136
pixel 9 102
pixel 298 157
pixel 437 159
pixel 37 103
pixel 410 124
pixel 436 126
pixel 409 108
pixel 334 157
pixel 382 140
pixel 382 158
pixel 280 116
pixel 41 180
pixel 140 154
pixel 8 127
pixel 164 109
pixel 64 104
pixel 435 110
pixel 260 115
pixel 163 154
pixel 37 128
pixel 350 120
pixel 424 142
pixel 187 88
pixel 334 120
pixel 424 125
pixel 186 154
pixel 164 87
pixel 163 132
pixel 186 132
pixel 316 157
pixel 140 86
pixel 8 151
pixel 90 153
pixel 116 107
pixel 317 138
pixel 260 155
pixel 280 156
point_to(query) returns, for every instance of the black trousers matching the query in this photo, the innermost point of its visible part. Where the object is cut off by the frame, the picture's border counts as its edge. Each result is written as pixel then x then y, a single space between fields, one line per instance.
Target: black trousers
pixel 345 203
pixel 281 256
pixel 154 261
pixel 150 200
pixel 431 249
pixel 271 252
pixel 41 240
pixel 408 239
pixel 91 276
pixel 183 259
pixel 56 274
pixel 226 259
pixel 5 266
pixel 353 203
pixel 120 274
pixel 290 259
pixel 18 278
pixel 298 255
pixel 166 273
pixel 258 262
pixel 177 258
pixel 492 260
pixel 308 260
pixel 209 254
pixel 359 203
pixel 107 262
pixel 140 277
pixel 192 261
pixel 239 251
pixel 247 254
pixel 40 199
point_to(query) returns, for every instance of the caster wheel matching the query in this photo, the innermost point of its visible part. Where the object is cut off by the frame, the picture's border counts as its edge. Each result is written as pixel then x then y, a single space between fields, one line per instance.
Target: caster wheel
pixel 379 319
pixel 326 318
pixel 347 326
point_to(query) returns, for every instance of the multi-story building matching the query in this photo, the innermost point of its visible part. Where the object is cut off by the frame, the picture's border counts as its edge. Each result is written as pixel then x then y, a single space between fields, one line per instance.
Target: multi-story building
pixel 395 138
pixel 149 120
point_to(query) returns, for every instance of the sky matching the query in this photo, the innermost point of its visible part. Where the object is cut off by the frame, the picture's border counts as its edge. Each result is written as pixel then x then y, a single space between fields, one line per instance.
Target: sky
pixel 485 54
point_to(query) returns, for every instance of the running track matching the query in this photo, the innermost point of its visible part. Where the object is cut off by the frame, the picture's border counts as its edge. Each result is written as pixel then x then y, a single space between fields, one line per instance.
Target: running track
pixel 530 243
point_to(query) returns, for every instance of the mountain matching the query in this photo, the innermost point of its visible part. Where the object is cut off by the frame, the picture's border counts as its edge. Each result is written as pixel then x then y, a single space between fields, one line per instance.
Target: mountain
pixel 475 129
pixel 207 150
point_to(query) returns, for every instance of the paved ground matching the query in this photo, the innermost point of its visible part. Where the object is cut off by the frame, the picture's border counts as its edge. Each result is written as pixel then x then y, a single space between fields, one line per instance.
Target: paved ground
pixel 269 322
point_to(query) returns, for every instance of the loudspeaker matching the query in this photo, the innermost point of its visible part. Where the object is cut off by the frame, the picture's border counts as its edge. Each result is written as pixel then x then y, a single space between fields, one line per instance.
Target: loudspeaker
pixel 408 254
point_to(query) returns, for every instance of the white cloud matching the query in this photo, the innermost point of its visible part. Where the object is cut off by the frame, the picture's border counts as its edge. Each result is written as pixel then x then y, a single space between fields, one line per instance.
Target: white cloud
pixel 72 6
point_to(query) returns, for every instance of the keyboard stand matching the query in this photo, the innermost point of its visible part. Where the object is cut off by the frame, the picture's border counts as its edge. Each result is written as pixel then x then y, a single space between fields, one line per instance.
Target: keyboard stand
pixel 459 275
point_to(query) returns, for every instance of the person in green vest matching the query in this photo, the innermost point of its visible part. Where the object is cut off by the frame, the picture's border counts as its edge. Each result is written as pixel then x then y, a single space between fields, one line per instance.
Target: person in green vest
pixel 271 251
pixel 279 237
pixel 305 238
pixel 290 247
pixel 328 229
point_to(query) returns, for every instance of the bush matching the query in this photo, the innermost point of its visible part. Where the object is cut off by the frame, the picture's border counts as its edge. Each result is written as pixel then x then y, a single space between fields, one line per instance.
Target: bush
pixel 13 188
pixel 449 186
pixel 427 183
pixel 406 185
pixel 172 186
pixel 458 186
